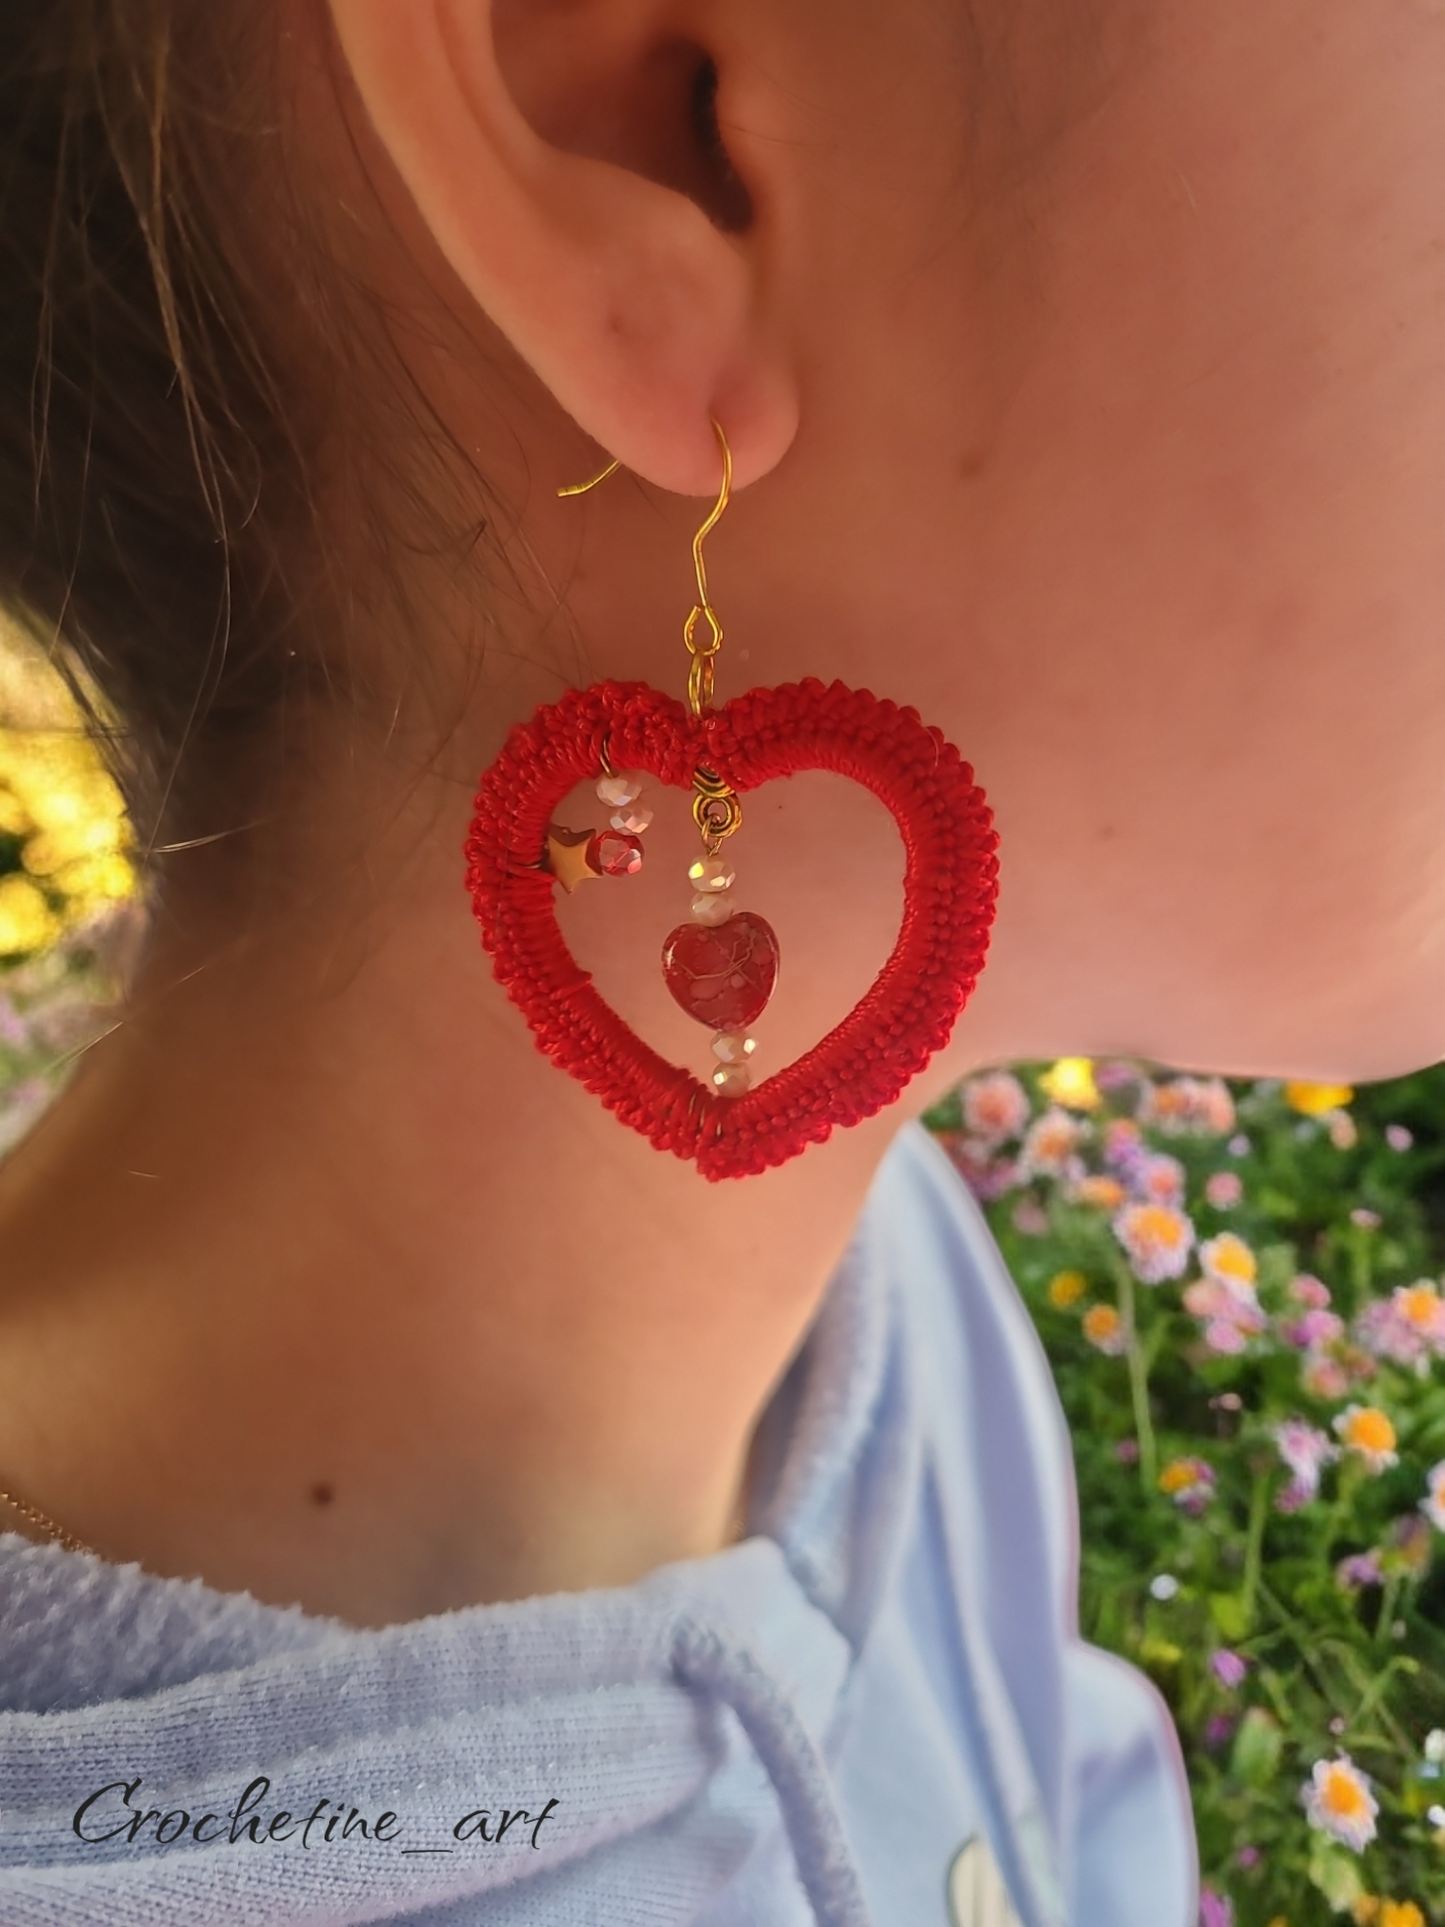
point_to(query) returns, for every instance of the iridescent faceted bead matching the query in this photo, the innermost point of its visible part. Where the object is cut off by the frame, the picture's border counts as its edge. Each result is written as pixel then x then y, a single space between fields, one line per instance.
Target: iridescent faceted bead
pixel 634 819
pixel 613 854
pixel 622 787
pixel 731 1080
pixel 733 1046
pixel 712 873
pixel 711 908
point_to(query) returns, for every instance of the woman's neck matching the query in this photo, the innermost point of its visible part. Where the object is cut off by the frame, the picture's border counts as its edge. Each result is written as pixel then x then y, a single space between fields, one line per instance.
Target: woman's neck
pixel 323 1283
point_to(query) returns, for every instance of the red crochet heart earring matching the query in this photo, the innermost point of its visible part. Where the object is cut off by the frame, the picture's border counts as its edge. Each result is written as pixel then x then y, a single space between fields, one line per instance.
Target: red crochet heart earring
pixel 722 961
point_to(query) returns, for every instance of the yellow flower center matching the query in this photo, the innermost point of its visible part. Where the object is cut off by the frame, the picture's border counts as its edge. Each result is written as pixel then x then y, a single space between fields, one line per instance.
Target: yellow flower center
pixel 1157 1224
pixel 1177 1476
pixel 1100 1322
pixel 1105 1193
pixel 1067 1288
pixel 1342 1794
pixel 1420 1304
pixel 1370 1431
pixel 1231 1257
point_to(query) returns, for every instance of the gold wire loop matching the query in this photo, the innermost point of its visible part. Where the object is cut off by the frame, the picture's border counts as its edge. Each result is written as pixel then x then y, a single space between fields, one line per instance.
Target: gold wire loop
pixel 699 685
pixel 699 681
pixel 710 644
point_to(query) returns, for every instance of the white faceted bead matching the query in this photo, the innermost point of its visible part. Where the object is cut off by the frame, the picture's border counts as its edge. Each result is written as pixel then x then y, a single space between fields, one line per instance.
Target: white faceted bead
pixel 634 819
pixel 733 1046
pixel 731 1080
pixel 622 787
pixel 712 873
pixel 711 909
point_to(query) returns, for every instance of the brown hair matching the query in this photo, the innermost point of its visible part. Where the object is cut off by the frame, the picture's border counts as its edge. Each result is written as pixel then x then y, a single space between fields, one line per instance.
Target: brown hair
pixel 151 487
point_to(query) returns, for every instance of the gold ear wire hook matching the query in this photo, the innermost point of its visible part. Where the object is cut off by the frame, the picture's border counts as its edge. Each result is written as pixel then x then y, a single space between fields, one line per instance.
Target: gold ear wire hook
pixel 699 678
pixel 581 488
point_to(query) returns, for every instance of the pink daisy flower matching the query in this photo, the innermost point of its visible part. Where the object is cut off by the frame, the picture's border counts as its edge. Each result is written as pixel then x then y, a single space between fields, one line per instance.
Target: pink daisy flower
pixel 1407 1326
pixel 1189 1104
pixel 1223 1190
pixel 1337 1799
pixel 995 1106
pixel 1324 1378
pixel 1231 1313
pixel 1314 1331
pixel 1306 1452
pixel 1359 1569
pixel 1158 1179
pixel 1215 1909
pixel 1306 1290
pixel 1104 1329
pixel 1157 1239
pixel 1051 1144
pixel 1228 1668
pixel 1366 1431
pixel 987 1176
pixel 1189 1482
pixel 1229 1259
pixel 1123 1143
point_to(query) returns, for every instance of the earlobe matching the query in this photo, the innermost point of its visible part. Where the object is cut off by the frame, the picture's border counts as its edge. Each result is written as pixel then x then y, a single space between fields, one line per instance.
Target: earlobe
pixel 644 317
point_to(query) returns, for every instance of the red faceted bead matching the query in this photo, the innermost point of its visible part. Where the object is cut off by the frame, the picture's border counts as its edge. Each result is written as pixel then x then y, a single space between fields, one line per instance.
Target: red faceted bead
pixel 723 974
pixel 615 854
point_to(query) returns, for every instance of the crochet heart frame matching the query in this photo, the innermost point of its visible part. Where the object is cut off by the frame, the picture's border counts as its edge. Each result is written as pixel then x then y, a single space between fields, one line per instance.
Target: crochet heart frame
pixel 949 893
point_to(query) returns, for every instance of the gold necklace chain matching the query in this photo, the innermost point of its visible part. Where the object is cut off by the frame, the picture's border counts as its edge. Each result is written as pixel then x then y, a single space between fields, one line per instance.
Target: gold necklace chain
pixel 53 1529
pixel 50 1527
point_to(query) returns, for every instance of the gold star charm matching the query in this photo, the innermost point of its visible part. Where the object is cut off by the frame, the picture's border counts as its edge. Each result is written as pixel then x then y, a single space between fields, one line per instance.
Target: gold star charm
pixel 567 853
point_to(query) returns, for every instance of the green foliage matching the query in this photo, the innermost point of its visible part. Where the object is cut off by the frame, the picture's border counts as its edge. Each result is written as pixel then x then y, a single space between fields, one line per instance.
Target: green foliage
pixel 1206 1264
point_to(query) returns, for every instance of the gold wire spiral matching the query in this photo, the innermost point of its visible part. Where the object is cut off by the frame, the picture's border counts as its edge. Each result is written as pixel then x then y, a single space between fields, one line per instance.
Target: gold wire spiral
pixel 716 809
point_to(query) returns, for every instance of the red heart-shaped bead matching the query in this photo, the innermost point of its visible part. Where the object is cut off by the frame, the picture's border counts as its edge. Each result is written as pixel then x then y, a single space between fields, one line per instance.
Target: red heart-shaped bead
pixel 723 973
pixel 949 892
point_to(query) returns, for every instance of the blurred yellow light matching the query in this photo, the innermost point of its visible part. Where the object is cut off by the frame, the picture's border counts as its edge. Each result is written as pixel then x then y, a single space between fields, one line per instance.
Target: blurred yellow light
pixel 1314 1100
pixel 27 921
pixel 1400 1913
pixel 106 876
pixel 15 819
pixel 1070 1082
pixel 49 851
pixel 57 796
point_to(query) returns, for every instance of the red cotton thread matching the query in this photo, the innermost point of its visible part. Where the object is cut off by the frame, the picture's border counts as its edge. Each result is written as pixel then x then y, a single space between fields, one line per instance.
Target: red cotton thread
pixel 950 891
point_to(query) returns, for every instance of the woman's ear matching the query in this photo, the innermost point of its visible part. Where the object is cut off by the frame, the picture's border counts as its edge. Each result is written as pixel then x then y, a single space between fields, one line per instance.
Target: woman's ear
pixel 566 157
